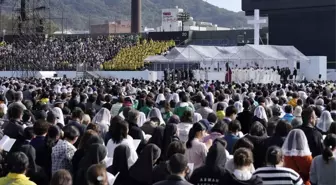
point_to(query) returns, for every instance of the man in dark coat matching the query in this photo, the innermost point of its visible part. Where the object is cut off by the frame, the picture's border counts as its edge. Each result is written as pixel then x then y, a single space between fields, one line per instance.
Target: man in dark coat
pixel 245 117
pixel 178 165
pixel 14 128
pixel 314 137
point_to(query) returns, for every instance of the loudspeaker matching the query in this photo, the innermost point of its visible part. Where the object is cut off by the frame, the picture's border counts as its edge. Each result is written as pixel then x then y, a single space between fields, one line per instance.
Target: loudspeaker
pixel 297 65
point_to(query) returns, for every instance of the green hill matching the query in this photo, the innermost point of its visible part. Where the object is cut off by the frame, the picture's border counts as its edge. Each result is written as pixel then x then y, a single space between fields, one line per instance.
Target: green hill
pixel 80 13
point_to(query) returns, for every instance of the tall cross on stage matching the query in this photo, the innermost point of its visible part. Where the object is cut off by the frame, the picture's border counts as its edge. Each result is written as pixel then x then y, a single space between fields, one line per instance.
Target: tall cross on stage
pixel 256 22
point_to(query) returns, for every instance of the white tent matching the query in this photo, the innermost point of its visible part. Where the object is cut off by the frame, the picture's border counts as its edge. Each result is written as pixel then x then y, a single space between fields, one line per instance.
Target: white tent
pixel 263 56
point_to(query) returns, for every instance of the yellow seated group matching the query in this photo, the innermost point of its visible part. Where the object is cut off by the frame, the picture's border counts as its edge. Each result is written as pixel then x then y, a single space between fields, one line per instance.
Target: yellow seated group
pixel 132 58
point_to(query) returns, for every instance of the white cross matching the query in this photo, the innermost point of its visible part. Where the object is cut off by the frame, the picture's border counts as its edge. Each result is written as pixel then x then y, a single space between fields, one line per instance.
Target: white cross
pixel 256 22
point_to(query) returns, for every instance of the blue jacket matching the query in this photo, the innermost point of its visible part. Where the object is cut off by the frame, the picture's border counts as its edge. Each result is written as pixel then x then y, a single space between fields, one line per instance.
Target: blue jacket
pixel 288 117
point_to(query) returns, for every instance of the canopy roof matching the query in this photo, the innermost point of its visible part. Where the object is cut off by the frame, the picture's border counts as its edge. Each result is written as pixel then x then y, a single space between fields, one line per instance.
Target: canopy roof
pixel 261 55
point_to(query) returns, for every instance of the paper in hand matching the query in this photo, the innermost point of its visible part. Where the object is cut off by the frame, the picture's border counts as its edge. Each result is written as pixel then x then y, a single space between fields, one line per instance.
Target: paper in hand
pixel 191 167
pixel 115 177
pixel 6 143
pixel 136 143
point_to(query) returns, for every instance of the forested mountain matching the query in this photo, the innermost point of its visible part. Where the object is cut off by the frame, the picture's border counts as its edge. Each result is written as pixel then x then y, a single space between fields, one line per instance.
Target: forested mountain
pixel 80 13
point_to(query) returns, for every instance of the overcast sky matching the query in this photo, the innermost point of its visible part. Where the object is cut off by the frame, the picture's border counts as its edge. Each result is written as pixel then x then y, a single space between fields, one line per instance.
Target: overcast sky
pixel 233 5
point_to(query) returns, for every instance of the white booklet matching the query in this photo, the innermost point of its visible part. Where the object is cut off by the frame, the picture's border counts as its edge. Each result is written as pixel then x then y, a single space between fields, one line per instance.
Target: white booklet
pixel 191 167
pixel 115 177
pixel 6 143
pixel 136 143
pixel 147 137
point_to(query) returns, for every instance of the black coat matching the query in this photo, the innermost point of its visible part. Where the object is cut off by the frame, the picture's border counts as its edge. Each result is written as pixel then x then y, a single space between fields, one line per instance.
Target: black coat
pixel 15 130
pixel 258 150
pixel 173 180
pixel 203 174
pixel 314 138
pixel 136 133
pixel 245 119
pixel 160 172
pixel 230 179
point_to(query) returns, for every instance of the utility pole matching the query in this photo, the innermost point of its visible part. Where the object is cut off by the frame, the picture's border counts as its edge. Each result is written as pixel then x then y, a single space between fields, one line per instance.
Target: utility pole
pixel 183 16
pixel 62 22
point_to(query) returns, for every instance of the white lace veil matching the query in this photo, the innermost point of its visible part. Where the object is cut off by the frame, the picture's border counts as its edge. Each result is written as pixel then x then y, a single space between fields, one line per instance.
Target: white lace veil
pixel 296 144
pixel 160 98
pixel 324 121
pixel 239 106
pixel 197 117
pixel 260 113
pixel 141 119
pixel 102 117
pixel 59 114
pixel 155 112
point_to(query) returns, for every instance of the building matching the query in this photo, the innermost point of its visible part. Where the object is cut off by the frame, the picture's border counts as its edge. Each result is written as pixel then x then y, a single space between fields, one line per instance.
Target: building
pixel 171 23
pixel 111 27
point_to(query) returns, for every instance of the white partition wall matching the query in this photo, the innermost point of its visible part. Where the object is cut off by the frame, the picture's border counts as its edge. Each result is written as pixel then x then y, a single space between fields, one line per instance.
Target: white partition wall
pixel 316 67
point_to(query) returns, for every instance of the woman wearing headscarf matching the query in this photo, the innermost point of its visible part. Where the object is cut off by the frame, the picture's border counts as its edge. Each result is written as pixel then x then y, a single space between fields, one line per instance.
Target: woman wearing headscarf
pixel 260 116
pixel 160 97
pixel 141 172
pixel 297 121
pixel 120 164
pixel 157 137
pixel 239 106
pixel 141 119
pixel 95 155
pixel 155 113
pixel 197 117
pixel 214 168
pixel 59 115
pixel 90 137
pixel 34 172
pixel 119 137
pixel 297 154
pixel 323 124
pixel 102 118
pixel 169 136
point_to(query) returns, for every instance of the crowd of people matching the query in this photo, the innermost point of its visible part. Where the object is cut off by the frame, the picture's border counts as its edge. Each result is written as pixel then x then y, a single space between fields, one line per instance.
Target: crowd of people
pixel 64 54
pixel 132 58
pixel 136 132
